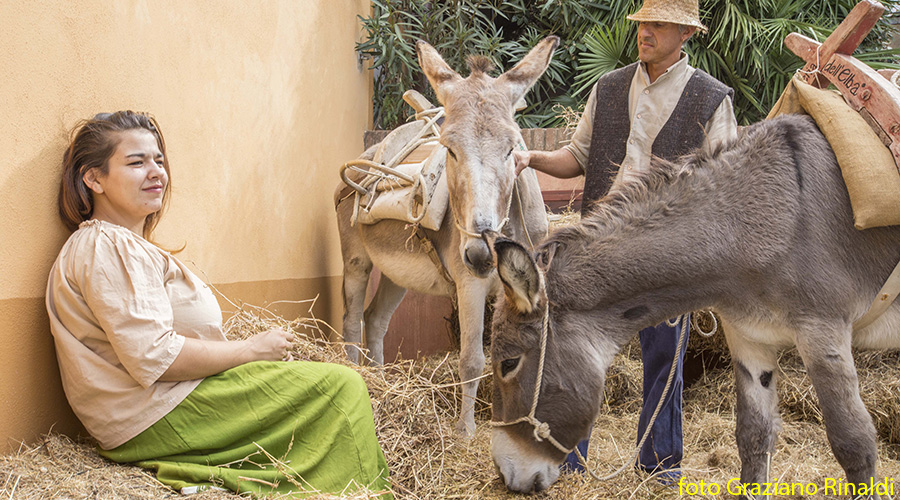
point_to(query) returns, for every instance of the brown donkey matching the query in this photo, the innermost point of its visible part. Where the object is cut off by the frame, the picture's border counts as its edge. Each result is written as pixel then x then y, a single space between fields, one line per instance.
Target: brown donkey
pixel 480 134
pixel 762 232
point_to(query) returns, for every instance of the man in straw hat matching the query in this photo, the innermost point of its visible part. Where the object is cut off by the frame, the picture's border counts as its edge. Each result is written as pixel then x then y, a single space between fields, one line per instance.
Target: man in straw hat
pixel 659 106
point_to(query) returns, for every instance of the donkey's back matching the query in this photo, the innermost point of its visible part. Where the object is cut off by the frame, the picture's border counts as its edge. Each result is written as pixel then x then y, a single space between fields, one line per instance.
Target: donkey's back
pixel 796 252
pixel 803 276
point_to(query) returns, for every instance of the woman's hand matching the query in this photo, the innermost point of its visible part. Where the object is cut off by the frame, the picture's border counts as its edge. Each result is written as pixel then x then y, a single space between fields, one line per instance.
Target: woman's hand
pixel 202 358
pixel 270 345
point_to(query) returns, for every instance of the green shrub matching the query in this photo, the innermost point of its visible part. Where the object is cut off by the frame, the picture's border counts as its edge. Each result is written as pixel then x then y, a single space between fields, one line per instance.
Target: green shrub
pixel 744 48
pixel 503 30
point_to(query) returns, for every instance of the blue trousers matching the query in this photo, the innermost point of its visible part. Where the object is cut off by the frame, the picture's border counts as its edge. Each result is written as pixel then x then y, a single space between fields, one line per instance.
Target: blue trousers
pixel 664 448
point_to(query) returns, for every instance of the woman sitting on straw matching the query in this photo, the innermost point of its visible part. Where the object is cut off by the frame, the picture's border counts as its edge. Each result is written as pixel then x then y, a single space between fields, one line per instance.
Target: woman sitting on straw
pixel 145 364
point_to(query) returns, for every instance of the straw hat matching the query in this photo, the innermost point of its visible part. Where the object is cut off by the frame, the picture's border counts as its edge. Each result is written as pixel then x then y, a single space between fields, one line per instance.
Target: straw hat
pixel 686 12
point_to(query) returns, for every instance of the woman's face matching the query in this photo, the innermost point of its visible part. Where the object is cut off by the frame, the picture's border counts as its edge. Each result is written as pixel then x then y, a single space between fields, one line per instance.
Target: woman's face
pixel 134 184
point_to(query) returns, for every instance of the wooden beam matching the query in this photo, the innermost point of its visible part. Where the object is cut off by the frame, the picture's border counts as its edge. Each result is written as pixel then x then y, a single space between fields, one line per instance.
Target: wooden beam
pixel 843 40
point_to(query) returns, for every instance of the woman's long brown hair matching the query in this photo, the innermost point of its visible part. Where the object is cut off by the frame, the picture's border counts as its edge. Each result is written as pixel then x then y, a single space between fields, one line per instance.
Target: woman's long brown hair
pixel 91 144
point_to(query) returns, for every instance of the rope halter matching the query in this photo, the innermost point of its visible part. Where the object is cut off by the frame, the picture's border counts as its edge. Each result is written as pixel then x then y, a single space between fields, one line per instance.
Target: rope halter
pixel 541 430
pixel 499 228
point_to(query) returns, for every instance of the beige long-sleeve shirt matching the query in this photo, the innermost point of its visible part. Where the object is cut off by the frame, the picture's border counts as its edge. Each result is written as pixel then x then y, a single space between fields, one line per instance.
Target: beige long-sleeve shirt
pixel 649 107
pixel 119 309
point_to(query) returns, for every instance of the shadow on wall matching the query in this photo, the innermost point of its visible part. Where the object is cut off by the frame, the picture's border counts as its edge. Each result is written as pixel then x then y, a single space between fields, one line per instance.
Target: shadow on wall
pixel 30 388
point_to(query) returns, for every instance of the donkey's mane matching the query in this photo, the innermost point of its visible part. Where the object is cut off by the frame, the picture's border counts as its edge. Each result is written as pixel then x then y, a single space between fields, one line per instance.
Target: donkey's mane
pixel 628 201
pixel 633 201
pixel 480 64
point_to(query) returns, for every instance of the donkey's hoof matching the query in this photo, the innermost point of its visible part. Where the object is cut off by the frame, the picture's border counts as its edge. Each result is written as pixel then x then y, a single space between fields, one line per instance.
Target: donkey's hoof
pixel 464 429
pixel 352 354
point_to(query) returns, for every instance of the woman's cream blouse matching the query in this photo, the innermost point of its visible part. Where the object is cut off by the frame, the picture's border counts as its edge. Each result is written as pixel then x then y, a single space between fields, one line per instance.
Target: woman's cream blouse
pixel 119 309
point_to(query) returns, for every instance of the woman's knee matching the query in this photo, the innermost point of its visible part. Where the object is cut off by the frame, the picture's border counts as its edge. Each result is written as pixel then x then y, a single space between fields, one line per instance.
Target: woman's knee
pixel 345 380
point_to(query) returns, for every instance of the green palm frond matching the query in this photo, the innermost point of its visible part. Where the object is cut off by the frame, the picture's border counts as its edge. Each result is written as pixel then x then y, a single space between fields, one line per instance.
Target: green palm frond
pixel 744 47
pixel 881 59
pixel 605 50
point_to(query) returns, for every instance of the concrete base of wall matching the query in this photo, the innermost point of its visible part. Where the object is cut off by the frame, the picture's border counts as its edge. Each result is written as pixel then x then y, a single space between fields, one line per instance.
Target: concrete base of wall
pixel 31 395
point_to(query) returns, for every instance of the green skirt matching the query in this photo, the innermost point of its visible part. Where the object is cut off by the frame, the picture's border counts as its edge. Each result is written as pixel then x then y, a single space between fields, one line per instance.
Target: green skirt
pixel 267 428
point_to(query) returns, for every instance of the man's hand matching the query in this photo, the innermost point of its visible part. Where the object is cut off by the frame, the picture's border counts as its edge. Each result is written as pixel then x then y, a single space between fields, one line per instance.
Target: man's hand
pixel 523 160
pixel 559 163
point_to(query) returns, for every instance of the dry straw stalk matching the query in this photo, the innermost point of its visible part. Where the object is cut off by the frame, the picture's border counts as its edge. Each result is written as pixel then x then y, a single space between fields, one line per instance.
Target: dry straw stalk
pixel 415 404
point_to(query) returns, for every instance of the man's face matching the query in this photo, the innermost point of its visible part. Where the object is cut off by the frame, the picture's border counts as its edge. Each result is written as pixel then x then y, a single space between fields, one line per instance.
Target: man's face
pixel 660 42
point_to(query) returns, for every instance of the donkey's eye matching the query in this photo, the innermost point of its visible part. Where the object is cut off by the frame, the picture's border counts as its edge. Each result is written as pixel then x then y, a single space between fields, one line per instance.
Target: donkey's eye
pixel 508 365
pixel 509 153
pixel 451 153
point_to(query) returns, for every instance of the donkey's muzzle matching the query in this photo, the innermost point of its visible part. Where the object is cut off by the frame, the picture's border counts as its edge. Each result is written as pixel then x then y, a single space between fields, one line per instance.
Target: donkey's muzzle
pixel 523 468
pixel 478 258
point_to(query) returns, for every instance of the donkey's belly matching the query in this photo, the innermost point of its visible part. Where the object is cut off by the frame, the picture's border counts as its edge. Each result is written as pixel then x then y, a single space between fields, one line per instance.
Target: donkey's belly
pixel 884 333
pixel 758 330
pixel 400 256
pixel 411 270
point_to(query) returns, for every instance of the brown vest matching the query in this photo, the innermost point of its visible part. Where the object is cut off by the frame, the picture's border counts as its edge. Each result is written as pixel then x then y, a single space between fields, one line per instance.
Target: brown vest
pixel 683 132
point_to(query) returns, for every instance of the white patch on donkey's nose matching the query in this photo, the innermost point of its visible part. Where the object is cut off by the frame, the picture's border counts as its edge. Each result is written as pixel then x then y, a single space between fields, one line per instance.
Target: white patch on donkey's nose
pixel 522 468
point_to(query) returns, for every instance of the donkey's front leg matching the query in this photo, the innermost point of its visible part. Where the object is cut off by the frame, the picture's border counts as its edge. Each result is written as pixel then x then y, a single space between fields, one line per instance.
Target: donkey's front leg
pixel 471 295
pixel 826 353
pixel 758 421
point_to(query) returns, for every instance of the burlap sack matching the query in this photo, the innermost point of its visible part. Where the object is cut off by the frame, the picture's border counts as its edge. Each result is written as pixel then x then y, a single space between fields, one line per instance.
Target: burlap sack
pixel 871 176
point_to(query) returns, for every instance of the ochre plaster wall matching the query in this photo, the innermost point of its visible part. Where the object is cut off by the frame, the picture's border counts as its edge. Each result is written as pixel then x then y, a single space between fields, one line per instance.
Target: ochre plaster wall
pixel 260 102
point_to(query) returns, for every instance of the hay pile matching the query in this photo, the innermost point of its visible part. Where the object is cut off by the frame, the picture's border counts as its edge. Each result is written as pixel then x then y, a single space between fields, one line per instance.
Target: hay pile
pixel 416 404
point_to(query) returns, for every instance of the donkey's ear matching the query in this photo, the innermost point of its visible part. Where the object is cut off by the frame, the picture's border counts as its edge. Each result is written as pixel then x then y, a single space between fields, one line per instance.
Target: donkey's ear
pixel 523 75
pixel 439 73
pixel 519 275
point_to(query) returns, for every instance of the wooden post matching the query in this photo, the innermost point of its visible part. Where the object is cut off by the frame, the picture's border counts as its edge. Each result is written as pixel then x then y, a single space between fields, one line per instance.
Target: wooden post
pixel 864 89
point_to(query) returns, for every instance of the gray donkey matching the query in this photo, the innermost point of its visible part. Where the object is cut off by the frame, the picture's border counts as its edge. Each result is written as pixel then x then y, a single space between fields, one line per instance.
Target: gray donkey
pixel 480 134
pixel 761 231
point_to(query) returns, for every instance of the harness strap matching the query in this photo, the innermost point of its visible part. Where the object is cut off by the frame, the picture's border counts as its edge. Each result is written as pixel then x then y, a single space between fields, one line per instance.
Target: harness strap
pixel 883 300
pixel 428 248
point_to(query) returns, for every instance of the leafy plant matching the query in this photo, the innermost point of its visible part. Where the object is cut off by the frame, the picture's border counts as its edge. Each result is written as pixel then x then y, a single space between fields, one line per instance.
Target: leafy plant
pixel 744 47
pixel 503 30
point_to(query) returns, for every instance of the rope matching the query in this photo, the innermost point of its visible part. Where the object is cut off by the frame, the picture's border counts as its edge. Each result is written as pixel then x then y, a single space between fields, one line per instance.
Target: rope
pixel 522 214
pixel 521 145
pixel 506 217
pixel 502 223
pixel 378 173
pixel 712 331
pixel 662 398
pixel 815 71
pixel 541 429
